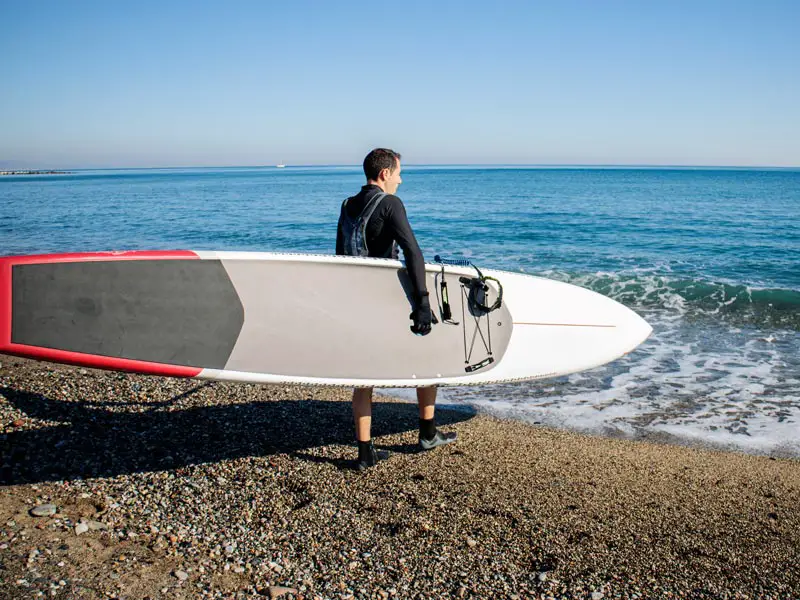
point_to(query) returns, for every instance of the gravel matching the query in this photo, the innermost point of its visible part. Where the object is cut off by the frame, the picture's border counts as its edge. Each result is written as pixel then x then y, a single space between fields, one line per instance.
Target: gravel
pixel 184 489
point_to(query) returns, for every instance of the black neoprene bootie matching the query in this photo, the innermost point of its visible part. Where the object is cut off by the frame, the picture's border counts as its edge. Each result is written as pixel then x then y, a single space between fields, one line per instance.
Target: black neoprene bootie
pixel 368 456
pixel 430 437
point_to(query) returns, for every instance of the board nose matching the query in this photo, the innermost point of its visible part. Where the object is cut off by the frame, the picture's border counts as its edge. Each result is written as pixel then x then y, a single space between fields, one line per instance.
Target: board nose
pixel 638 329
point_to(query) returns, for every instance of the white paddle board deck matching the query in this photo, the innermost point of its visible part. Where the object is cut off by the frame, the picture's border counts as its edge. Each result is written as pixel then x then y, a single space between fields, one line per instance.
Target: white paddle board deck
pixel 302 319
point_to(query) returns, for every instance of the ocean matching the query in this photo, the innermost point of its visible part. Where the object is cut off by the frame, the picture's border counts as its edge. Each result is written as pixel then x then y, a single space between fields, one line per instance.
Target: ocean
pixel 710 257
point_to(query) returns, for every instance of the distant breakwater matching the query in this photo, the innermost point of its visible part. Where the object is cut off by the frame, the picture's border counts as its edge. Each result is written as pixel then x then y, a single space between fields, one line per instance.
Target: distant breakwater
pixel 35 172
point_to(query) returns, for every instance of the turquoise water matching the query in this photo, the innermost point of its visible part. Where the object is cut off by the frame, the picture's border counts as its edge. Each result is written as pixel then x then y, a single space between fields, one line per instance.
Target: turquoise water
pixel 711 257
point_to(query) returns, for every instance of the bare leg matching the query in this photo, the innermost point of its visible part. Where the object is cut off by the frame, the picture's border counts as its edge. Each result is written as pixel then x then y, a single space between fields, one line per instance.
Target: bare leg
pixel 362 413
pixel 426 399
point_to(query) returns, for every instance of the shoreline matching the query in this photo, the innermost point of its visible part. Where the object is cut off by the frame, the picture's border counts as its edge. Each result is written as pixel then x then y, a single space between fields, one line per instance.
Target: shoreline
pixel 782 450
pixel 210 489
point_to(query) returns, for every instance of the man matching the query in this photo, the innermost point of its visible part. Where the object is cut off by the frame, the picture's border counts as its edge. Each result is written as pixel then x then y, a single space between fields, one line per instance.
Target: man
pixel 373 223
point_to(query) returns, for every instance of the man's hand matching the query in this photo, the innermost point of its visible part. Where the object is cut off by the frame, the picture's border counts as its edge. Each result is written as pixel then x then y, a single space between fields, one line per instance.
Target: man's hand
pixel 422 316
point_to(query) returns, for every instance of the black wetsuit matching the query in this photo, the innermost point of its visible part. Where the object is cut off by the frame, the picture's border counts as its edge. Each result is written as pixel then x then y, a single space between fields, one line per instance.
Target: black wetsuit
pixel 387 225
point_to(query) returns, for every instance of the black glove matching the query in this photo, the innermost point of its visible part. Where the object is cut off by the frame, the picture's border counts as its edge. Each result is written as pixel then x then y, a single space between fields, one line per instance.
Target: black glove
pixel 422 316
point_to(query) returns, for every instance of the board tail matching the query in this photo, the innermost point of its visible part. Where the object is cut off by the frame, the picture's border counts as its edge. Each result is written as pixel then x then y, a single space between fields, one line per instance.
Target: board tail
pixel 9 346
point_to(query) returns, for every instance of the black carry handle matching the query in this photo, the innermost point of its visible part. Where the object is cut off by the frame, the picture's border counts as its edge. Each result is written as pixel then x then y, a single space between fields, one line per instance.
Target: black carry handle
pixel 447 314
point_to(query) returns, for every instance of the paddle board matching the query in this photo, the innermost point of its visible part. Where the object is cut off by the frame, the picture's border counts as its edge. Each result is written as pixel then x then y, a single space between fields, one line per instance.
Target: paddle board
pixel 301 319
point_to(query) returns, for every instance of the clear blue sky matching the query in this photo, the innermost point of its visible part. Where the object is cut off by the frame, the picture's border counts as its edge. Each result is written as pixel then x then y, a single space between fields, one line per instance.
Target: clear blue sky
pixel 250 83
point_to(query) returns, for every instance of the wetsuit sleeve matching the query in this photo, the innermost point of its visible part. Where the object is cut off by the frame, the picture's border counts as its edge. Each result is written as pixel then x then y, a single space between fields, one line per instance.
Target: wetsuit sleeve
pixel 404 236
pixel 339 236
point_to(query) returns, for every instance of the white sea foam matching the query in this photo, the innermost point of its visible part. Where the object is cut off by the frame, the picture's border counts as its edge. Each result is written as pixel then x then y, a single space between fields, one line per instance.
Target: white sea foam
pixel 689 383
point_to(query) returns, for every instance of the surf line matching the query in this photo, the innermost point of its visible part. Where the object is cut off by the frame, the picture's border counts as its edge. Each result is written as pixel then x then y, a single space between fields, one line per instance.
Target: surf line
pixel 563 325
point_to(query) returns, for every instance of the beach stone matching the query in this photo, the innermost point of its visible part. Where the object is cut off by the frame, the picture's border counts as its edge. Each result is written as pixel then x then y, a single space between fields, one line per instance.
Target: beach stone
pixel 276 591
pixel 81 528
pixel 44 510
pixel 181 575
pixel 542 576
pixel 597 595
pixel 471 543
pixel 97 526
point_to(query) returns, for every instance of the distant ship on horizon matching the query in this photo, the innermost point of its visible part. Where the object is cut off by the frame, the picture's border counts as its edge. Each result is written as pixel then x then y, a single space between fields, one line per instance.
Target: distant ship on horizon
pixel 280 164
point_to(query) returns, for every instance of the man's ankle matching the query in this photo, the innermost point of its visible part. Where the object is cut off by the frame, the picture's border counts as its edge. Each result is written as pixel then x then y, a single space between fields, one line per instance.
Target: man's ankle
pixel 366 453
pixel 368 456
pixel 427 428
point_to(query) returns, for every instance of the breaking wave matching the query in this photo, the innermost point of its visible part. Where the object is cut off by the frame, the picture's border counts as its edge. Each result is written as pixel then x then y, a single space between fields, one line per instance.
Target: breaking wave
pixel 735 303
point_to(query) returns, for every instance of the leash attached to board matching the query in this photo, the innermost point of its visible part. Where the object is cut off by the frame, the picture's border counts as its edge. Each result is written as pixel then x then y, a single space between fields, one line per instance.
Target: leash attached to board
pixel 476 285
pixel 475 291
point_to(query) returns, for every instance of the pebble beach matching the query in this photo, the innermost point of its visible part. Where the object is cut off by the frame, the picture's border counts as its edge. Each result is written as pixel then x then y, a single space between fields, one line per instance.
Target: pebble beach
pixel 125 486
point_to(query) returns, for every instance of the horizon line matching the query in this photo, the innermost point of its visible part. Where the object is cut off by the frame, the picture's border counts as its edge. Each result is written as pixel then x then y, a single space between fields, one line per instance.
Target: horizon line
pixel 406 165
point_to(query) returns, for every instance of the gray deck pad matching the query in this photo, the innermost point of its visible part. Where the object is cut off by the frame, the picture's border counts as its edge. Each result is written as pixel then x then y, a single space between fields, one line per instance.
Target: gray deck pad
pixel 177 312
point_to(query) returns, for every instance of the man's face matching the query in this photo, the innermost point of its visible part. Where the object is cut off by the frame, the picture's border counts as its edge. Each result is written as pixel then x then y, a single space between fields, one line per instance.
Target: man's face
pixel 391 179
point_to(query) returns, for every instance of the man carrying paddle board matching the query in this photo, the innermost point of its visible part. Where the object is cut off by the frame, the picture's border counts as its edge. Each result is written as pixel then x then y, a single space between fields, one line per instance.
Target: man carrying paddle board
pixel 374 223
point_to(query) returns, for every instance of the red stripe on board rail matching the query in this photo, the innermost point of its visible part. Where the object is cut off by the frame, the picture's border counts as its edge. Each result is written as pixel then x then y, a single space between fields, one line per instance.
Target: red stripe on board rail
pixel 5 303
pixel 100 362
pixel 98 256
pixel 77 358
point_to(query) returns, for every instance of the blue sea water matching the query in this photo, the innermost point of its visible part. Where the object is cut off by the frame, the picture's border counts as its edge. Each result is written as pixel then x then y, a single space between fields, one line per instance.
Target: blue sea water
pixel 710 257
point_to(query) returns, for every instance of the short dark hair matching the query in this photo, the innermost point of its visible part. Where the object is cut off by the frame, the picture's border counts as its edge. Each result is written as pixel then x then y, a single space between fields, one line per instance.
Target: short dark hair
pixel 378 160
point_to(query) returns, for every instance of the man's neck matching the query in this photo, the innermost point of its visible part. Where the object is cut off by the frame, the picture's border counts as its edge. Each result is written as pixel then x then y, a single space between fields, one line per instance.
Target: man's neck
pixel 376 183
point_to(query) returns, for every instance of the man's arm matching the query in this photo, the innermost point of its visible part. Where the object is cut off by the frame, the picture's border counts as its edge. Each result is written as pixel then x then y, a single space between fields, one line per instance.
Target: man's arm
pixel 415 263
pixel 339 238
